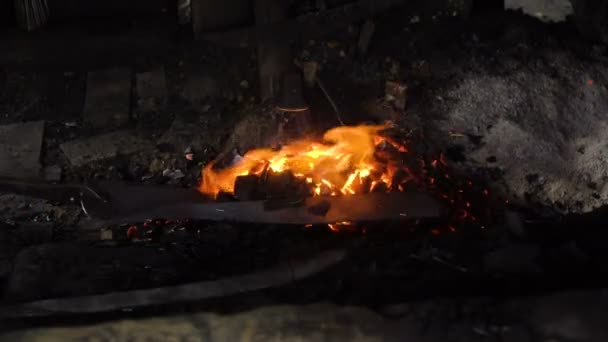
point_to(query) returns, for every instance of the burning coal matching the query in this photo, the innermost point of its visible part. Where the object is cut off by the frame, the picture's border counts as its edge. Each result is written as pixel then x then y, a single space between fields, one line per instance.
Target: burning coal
pixel 348 160
pixel 352 160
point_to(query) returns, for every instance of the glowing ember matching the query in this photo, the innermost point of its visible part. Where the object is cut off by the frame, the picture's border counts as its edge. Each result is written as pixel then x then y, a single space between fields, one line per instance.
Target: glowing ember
pixel 336 227
pixel 339 165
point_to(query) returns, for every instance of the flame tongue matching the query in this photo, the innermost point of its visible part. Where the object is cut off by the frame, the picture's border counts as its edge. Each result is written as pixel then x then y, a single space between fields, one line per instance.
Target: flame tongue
pixel 338 165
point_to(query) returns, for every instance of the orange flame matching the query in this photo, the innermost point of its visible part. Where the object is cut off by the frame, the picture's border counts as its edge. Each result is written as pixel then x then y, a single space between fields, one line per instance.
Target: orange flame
pixel 344 159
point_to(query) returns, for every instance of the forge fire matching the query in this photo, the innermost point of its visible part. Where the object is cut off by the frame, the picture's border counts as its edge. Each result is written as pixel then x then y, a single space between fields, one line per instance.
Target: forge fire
pixel 347 160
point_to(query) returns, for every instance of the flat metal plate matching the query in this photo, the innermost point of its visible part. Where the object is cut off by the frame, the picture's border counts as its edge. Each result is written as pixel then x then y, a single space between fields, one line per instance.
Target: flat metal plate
pixel 313 210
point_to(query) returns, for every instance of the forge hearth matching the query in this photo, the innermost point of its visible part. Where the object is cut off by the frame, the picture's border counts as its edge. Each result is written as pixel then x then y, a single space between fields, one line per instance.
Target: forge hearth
pixel 274 155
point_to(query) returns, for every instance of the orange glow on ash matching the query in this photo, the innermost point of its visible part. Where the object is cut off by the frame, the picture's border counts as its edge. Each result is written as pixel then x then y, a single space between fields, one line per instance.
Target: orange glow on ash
pixel 338 165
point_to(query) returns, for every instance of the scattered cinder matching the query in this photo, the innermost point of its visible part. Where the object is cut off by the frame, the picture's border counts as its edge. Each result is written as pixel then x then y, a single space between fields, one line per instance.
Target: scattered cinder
pixel 108 97
pixel 83 151
pixel 151 90
pixel 20 148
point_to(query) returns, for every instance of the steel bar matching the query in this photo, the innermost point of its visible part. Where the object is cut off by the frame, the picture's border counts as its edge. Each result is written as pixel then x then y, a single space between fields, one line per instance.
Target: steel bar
pixel 313 210
pixel 283 274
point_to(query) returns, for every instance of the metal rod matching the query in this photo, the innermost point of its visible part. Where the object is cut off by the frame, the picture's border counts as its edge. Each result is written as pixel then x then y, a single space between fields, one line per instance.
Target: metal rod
pixel 282 275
